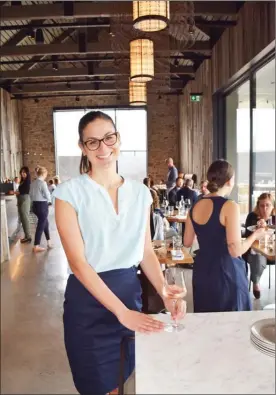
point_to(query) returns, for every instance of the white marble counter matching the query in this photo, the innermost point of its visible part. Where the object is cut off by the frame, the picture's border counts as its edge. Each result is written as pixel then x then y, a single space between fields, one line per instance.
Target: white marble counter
pixel 212 355
pixel 5 248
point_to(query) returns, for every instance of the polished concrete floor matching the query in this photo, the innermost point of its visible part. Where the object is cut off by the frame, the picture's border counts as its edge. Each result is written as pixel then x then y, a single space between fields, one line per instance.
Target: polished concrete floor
pixel 33 359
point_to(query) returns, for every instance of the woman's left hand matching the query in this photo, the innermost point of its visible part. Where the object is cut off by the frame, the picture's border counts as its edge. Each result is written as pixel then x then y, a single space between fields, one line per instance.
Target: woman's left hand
pixel 177 307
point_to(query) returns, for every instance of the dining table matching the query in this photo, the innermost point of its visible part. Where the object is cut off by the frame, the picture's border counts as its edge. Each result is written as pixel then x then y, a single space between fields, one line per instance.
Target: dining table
pixel 181 219
pixel 163 250
pixel 269 253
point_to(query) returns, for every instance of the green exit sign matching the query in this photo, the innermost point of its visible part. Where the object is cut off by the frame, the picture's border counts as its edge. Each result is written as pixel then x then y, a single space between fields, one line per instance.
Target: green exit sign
pixel 195 97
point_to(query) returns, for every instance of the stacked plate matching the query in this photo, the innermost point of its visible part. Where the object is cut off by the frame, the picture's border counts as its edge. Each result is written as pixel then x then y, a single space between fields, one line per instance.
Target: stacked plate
pixel 263 336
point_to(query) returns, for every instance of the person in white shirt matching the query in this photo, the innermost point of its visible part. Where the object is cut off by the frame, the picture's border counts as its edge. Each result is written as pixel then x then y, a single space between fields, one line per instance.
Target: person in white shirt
pixel 16 184
pixel 40 197
pixel 51 186
pixel 104 224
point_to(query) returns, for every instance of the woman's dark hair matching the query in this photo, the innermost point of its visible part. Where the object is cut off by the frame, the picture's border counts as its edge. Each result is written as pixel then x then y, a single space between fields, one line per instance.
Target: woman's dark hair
pixel 85 164
pixel 264 196
pixel 27 171
pixel 194 178
pixel 148 181
pixel 218 174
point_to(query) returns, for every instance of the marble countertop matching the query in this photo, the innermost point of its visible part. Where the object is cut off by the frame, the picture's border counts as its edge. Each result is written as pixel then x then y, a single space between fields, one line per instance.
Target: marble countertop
pixel 212 355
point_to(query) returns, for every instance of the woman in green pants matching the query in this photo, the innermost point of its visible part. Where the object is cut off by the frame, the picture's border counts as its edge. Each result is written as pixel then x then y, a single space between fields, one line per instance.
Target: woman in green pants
pixel 24 203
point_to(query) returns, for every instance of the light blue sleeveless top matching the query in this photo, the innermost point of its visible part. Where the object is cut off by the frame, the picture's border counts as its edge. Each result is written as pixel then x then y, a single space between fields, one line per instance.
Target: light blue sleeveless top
pixel 111 241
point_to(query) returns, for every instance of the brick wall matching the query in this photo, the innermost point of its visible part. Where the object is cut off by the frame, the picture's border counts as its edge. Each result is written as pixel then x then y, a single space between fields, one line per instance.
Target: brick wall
pixel 38 129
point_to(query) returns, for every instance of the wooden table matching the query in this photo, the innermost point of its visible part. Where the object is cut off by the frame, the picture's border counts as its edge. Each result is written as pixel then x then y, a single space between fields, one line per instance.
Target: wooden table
pixel 164 255
pixel 270 255
pixel 175 218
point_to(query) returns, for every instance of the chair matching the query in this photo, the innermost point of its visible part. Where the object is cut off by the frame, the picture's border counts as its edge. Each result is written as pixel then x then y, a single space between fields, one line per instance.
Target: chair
pixel 269 264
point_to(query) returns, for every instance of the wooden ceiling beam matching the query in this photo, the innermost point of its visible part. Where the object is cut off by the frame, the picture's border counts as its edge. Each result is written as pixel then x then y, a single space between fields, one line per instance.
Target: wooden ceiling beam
pixel 100 48
pixel 122 70
pixel 106 9
pixel 82 86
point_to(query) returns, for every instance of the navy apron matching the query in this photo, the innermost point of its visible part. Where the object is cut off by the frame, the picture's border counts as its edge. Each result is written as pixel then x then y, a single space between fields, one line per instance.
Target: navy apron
pixel 93 334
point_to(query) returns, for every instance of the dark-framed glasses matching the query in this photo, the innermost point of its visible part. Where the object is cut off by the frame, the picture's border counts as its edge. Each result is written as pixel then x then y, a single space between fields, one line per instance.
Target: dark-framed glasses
pixel 109 140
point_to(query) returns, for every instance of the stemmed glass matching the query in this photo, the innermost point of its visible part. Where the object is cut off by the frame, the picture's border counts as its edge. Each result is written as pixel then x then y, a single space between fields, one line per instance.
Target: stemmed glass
pixel 175 289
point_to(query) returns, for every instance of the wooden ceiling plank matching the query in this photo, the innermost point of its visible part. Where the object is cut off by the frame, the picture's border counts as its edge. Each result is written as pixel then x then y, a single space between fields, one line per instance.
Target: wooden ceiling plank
pixel 79 72
pixel 107 9
pixel 95 48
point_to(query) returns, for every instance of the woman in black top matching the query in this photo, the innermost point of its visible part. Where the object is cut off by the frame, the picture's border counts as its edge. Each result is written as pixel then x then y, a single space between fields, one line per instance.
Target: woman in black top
pixel 263 211
pixel 24 203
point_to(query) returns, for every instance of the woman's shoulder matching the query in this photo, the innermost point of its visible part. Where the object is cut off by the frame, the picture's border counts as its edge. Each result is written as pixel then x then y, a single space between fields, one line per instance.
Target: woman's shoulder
pixel 252 217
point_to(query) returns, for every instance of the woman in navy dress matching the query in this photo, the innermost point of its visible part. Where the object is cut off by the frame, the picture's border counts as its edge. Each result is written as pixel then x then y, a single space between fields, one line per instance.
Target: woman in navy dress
pixel 219 276
pixel 104 226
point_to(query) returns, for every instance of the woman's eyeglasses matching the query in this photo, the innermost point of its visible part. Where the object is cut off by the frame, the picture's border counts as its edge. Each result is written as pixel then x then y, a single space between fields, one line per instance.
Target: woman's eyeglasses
pixel 94 144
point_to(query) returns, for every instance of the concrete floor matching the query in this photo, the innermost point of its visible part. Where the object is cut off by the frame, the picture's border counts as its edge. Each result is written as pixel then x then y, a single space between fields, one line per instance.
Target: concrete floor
pixel 33 359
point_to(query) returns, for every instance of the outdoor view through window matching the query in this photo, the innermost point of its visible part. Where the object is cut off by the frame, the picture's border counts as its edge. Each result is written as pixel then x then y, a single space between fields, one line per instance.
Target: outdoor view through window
pixel 130 123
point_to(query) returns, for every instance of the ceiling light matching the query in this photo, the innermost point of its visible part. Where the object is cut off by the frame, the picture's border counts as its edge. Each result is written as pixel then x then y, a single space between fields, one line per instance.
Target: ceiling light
pixel 141 60
pixel 55 63
pixel 31 34
pixel 151 16
pixel 39 37
pixel 137 93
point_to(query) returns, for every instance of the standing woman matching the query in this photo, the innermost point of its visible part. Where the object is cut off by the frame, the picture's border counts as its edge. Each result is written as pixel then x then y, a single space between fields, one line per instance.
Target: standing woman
pixel 219 276
pixel 104 225
pixel 41 198
pixel 24 203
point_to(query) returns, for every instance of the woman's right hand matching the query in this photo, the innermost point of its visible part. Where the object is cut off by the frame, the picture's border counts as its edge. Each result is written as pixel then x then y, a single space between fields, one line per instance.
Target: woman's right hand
pixel 139 322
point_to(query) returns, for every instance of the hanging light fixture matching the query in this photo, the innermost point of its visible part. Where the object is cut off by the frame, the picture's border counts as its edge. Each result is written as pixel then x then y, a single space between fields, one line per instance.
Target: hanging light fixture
pixel 151 16
pixel 141 60
pixel 137 93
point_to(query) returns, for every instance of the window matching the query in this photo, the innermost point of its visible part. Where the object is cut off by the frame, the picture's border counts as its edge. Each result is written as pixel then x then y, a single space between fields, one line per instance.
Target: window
pixel 250 136
pixel 264 132
pixel 130 123
pixel 238 144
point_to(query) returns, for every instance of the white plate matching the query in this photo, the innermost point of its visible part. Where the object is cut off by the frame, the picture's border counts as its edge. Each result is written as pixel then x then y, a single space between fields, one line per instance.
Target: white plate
pixel 265 331
pixel 263 350
pixel 251 228
pixel 262 344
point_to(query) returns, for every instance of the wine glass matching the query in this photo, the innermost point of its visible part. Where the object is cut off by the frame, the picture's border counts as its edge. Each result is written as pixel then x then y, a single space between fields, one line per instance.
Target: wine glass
pixel 175 289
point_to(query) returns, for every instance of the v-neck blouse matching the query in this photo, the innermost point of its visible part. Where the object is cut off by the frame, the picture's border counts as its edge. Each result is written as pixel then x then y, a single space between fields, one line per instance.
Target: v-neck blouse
pixel 111 240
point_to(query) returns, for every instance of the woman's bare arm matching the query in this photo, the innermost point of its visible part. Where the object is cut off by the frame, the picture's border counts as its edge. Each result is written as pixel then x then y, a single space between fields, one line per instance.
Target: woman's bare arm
pixel 236 246
pixel 70 235
pixel 189 235
pixel 150 264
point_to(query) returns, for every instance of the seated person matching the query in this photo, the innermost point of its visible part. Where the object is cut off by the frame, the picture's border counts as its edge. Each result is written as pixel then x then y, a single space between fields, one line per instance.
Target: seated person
pixel 174 191
pixel 187 192
pixel 260 216
pixel 148 181
pixel 203 189
pixel 160 227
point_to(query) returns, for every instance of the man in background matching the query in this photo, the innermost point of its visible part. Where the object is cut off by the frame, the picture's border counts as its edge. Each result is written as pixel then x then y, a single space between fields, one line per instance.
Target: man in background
pixel 187 192
pixel 174 191
pixel 171 176
pixel 203 189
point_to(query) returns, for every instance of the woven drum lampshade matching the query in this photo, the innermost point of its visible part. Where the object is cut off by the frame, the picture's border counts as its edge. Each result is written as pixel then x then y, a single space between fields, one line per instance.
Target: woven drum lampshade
pixel 141 60
pixel 151 16
pixel 137 93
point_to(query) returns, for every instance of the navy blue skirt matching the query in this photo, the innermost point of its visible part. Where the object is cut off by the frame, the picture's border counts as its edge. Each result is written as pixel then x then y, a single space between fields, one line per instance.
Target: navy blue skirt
pixel 93 334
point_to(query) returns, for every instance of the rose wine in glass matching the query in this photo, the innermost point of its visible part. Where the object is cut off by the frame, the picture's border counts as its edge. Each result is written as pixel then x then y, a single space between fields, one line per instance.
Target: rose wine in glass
pixel 175 289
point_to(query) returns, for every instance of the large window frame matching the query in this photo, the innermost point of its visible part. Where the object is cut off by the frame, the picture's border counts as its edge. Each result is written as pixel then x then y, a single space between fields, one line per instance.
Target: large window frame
pixel 247 73
pixel 103 107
